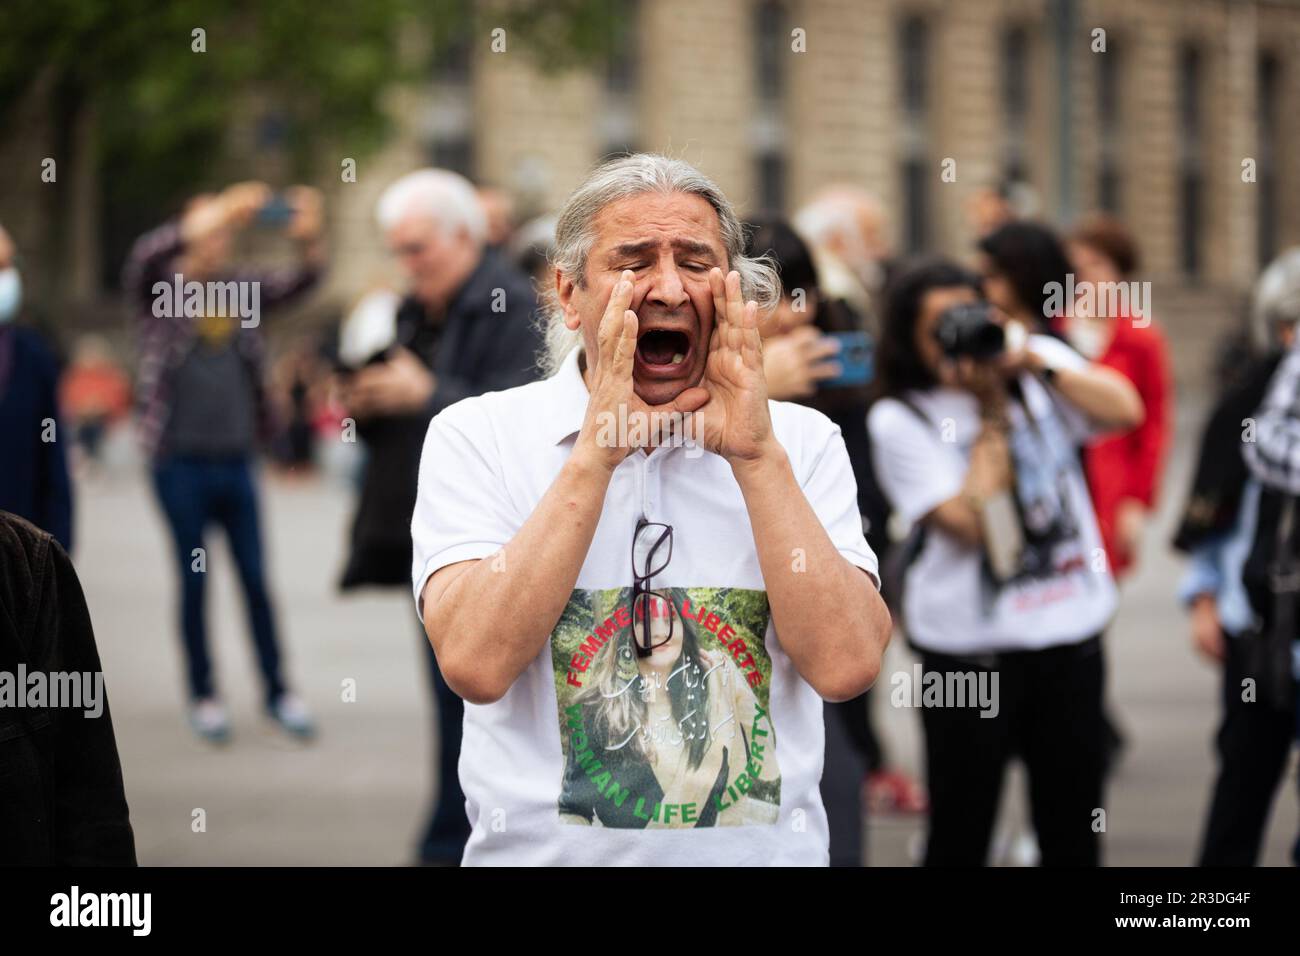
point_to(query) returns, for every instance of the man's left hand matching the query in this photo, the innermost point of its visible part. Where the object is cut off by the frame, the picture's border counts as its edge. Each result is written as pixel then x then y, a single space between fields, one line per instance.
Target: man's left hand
pixel 399 386
pixel 737 424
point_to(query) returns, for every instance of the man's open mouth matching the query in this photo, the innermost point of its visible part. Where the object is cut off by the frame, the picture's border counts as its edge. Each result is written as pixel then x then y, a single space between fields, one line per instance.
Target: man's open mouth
pixel 663 352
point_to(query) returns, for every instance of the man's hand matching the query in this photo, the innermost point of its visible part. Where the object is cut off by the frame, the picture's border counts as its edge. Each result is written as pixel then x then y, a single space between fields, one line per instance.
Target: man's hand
pixel 612 388
pixel 1207 631
pixel 239 203
pixel 233 208
pixel 794 363
pixel 737 424
pixel 396 387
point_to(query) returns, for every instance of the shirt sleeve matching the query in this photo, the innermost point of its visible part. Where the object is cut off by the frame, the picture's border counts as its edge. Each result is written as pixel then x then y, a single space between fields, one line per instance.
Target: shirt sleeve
pixel 1274 455
pixel 917 471
pixel 1058 355
pixel 833 494
pixel 1203 574
pixel 462 511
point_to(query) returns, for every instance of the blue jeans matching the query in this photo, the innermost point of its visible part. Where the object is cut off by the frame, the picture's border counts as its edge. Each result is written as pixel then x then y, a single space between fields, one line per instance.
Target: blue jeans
pixel 197 492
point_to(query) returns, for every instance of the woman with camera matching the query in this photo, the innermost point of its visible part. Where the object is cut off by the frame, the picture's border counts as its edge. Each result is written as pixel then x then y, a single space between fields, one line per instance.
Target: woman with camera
pixel 1004 584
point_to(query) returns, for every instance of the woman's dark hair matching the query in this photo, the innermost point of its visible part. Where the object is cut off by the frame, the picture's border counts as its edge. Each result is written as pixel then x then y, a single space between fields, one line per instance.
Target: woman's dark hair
pixel 790 254
pixel 898 364
pixel 1030 255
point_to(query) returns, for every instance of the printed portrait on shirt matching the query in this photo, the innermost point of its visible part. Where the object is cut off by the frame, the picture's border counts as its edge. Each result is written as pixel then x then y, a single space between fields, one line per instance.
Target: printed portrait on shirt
pixel 1046 468
pixel 679 738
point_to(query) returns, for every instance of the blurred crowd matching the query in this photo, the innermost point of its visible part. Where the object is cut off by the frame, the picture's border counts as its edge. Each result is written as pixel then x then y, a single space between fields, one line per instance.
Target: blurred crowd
pixel 1007 444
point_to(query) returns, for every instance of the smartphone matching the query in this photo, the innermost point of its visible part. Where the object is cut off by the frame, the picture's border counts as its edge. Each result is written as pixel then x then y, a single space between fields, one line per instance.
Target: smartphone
pixel 857 360
pixel 275 213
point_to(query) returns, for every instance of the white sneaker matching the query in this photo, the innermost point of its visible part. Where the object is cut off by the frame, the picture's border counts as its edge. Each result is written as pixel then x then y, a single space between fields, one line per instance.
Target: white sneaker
pixel 209 720
pixel 291 713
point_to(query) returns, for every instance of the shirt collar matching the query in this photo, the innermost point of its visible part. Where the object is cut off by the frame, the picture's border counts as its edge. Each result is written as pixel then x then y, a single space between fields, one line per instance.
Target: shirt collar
pixel 569 397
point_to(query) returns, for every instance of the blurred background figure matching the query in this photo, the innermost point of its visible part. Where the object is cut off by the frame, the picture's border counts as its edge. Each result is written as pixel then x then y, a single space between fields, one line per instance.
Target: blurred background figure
pixel 990 208
pixel 1218 531
pixel 499 212
pixel 997 580
pixel 34 482
pixel 299 388
pixel 817 352
pixel 1020 262
pixel 203 412
pixel 1124 470
pixel 464 327
pixel 845 226
pixel 95 394
pixel 531 249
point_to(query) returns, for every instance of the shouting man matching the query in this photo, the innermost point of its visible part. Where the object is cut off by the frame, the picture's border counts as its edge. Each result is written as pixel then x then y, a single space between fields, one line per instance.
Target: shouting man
pixel 644 627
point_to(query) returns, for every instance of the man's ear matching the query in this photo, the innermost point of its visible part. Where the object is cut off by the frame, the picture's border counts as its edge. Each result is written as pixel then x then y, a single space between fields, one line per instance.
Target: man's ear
pixel 564 287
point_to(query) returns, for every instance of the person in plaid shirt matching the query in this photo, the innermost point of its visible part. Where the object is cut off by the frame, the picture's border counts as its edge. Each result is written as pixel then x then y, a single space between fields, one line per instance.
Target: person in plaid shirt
pixel 202 410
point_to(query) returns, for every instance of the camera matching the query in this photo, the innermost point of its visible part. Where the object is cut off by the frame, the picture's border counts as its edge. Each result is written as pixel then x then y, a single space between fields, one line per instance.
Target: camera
pixel 968 331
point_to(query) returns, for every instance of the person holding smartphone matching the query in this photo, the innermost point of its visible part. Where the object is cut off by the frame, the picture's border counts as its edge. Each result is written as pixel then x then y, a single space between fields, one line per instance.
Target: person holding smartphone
pixel 975 439
pixel 808 345
pixel 203 412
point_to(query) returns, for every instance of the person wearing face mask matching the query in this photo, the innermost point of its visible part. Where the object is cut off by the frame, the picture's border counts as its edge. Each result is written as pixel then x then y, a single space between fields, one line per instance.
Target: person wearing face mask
pixel 1123 470
pixel 34 482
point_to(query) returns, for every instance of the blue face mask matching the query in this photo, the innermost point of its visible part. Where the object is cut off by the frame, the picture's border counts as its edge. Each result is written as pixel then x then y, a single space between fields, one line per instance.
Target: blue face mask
pixel 11 294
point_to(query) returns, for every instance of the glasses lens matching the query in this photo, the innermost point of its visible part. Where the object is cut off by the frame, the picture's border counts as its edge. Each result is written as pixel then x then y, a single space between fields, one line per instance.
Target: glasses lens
pixel 652 614
pixel 652 549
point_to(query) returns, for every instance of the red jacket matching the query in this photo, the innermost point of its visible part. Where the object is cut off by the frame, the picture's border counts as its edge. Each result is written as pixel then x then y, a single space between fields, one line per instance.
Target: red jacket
pixel 1128 464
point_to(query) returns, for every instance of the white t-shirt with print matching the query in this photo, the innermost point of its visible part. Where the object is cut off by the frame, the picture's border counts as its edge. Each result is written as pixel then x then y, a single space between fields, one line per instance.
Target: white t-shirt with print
pixel 588 759
pixel 1063 592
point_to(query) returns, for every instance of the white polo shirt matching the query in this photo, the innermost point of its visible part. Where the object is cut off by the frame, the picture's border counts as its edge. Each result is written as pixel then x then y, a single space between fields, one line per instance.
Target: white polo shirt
pixel 592 758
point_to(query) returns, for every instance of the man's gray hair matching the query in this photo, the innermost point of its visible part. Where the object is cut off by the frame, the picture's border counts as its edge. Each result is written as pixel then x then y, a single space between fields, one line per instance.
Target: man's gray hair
pixel 623 178
pixel 442 196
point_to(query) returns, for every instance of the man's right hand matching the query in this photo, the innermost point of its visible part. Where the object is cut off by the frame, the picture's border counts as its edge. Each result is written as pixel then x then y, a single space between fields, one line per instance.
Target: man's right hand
pixel 613 402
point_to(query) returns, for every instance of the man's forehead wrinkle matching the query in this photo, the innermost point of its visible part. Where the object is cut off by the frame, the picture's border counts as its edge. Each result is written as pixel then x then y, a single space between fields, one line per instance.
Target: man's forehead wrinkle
pixel 629 220
pixel 680 243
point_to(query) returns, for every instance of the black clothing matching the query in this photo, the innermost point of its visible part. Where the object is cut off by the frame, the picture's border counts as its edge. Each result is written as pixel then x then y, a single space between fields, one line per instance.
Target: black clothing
pixel 61 797
pixel 1221 471
pixel 1253 744
pixel 472 349
pixel 1049 716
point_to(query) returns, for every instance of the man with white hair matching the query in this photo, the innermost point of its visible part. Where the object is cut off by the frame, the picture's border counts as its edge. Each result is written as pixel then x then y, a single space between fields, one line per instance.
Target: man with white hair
pixel 845 225
pixel 464 328
pixel 642 575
